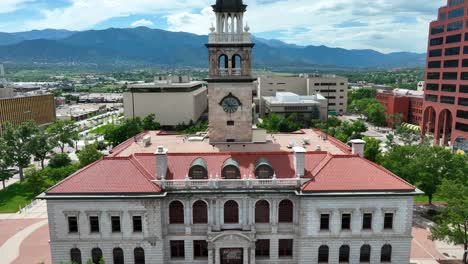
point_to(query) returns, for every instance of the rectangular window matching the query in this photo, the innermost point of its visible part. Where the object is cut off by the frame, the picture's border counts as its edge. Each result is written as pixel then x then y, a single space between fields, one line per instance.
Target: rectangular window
pixel 463 88
pixel 437 30
pixel 455 26
pixel 452 51
pixel 230 123
pixel 325 222
pixel 388 221
pixel 464 63
pixel 432 87
pixel 435 53
pixel 456 13
pixel 451 64
pixel 94 224
pixel 465 50
pixel 177 249
pixel 433 75
pixel 262 248
pixel 346 221
pixel 200 249
pixel 464 76
pixel 442 16
pixel 451 88
pixel 72 224
pixel 367 221
pixel 285 248
pixel 115 221
pixel 137 224
pixel 447 100
pixel 461 127
pixel 450 76
pixel 453 39
pixel 456 2
pixel 436 41
pixel 462 114
pixel 431 98
pixel 463 101
pixel 434 64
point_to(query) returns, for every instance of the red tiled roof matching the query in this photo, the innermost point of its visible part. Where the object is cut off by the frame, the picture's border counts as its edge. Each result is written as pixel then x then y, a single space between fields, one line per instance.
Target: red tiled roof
pixel 352 173
pixel 109 175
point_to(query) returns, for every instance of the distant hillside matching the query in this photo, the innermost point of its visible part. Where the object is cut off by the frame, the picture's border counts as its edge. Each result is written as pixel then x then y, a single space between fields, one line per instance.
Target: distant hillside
pixel 159 47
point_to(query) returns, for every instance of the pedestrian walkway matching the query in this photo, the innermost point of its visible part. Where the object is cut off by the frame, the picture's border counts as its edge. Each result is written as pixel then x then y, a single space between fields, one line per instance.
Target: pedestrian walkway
pixel 37 209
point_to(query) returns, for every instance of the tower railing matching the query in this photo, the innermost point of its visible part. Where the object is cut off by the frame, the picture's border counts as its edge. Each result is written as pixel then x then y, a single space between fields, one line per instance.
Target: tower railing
pixel 229 38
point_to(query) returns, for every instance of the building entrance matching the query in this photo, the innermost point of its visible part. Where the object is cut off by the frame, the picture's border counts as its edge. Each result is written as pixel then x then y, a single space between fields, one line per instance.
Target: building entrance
pixel 232 256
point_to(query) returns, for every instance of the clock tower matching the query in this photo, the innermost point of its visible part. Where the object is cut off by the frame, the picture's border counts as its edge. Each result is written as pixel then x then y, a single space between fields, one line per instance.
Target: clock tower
pixel 230 81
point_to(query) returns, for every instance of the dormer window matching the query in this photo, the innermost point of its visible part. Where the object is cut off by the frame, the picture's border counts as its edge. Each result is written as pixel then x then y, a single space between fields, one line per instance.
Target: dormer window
pixel 263 169
pixel 231 169
pixel 198 170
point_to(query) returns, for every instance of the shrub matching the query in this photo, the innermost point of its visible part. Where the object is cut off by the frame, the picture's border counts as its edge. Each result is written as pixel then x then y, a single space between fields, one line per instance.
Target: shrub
pixel 59 160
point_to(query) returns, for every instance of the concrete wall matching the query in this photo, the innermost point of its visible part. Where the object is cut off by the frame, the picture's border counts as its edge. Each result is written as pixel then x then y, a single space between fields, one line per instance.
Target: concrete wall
pixel 6 93
pixel 270 85
pixel 170 108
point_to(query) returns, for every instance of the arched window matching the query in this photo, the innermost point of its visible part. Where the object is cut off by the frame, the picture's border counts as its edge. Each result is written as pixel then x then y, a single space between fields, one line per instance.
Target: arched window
pixel 386 254
pixel 263 169
pixel 200 212
pixel 118 255
pixel 198 170
pixel 96 255
pixel 262 212
pixel 231 169
pixel 236 61
pixel 176 213
pixel 365 253
pixel 75 256
pixel 285 211
pixel 323 254
pixel 223 61
pixel 231 212
pixel 344 254
pixel 139 255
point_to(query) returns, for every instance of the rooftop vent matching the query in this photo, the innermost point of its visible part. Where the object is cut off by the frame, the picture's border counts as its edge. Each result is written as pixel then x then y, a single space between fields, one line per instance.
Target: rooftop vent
pixel 146 140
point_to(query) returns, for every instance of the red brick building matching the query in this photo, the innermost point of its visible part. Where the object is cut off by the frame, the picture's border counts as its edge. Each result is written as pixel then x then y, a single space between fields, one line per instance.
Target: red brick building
pixel 405 102
pixel 446 93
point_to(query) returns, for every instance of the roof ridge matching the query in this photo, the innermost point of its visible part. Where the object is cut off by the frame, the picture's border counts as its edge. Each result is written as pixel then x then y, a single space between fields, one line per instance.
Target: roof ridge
pixel 122 146
pixel 74 174
pixel 388 172
pixel 140 168
pixel 323 162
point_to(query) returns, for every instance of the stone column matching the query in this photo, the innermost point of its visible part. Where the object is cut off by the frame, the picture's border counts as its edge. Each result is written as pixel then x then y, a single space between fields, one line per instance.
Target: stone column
pixel 217 256
pixel 210 253
pixel 246 256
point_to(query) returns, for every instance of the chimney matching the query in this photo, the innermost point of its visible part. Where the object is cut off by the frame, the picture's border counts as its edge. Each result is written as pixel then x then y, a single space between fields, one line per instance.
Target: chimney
pixel 161 163
pixel 299 161
pixel 357 147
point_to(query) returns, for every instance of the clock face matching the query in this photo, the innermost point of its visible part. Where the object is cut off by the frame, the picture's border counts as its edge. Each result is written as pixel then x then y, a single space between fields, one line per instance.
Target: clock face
pixel 230 104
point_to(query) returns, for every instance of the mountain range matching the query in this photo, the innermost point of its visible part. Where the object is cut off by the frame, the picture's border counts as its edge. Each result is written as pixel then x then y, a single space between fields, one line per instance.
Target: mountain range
pixel 158 47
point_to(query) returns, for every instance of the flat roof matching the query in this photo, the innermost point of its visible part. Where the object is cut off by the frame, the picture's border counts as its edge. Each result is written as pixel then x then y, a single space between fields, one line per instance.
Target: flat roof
pixel 166 84
pixel 275 143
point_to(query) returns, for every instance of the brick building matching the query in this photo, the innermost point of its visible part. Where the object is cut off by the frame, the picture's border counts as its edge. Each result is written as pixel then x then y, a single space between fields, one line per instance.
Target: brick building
pixel 446 93
pixel 407 103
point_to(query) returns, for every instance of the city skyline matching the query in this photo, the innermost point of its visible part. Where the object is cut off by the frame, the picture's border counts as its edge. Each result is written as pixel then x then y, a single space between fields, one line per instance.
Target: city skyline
pixel 346 24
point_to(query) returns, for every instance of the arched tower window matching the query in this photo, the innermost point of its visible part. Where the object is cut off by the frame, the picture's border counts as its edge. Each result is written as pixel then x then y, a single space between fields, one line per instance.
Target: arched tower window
pixel 200 212
pixel 323 254
pixel 231 212
pixel 118 256
pixel 344 254
pixel 198 170
pixel 263 169
pixel 365 253
pixel 139 255
pixel 285 211
pixel 262 212
pixel 237 64
pixel 231 169
pixel 223 61
pixel 386 254
pixel 176 213
pixel 75 255
pixel 96 255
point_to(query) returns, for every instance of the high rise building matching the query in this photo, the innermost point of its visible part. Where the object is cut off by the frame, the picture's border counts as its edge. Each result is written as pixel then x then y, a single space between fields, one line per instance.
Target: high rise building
pixel 446 92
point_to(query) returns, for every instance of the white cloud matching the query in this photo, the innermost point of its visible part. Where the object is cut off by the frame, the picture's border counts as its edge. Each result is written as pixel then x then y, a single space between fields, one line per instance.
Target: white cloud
pixel 142 23
pixel 7 6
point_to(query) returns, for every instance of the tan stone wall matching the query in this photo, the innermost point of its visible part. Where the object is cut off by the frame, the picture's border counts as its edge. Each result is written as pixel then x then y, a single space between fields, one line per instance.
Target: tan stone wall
pixel 242 130
pixel 246 60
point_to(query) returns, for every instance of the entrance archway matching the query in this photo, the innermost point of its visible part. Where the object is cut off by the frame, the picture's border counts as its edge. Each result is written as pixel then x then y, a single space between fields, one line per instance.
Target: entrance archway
pixel 444 129
pixel 429 120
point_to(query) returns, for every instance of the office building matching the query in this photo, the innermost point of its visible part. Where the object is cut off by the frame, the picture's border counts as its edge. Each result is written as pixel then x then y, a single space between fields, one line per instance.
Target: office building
pixel 284 103
pixel 409 104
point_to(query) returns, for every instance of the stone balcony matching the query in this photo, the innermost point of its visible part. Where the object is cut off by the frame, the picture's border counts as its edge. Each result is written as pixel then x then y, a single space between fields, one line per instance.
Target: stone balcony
pixel 229 38
pixel 222 184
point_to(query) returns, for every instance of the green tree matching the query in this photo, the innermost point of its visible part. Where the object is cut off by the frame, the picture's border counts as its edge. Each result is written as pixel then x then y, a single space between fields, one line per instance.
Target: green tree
pixel 452 223
pixel 359 127
pixel 41 146
pixel 372 149
pixel 375 114
pixel 63 132
pixel 18 141
pixel 116 134
pixel 150 123
pixel 88 155
pixel 390 142
pixel 5 163
pixel 59 160
pixel 364 93
pixel 35 180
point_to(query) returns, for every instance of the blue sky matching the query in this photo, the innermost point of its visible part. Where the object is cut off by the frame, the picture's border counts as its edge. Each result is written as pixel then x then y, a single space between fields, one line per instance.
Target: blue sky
pixel 384 25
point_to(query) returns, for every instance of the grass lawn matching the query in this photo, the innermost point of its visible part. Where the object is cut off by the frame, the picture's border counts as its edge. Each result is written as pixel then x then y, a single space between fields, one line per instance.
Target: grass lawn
pixel 15 195
pixel 425 199
pixel 100 130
